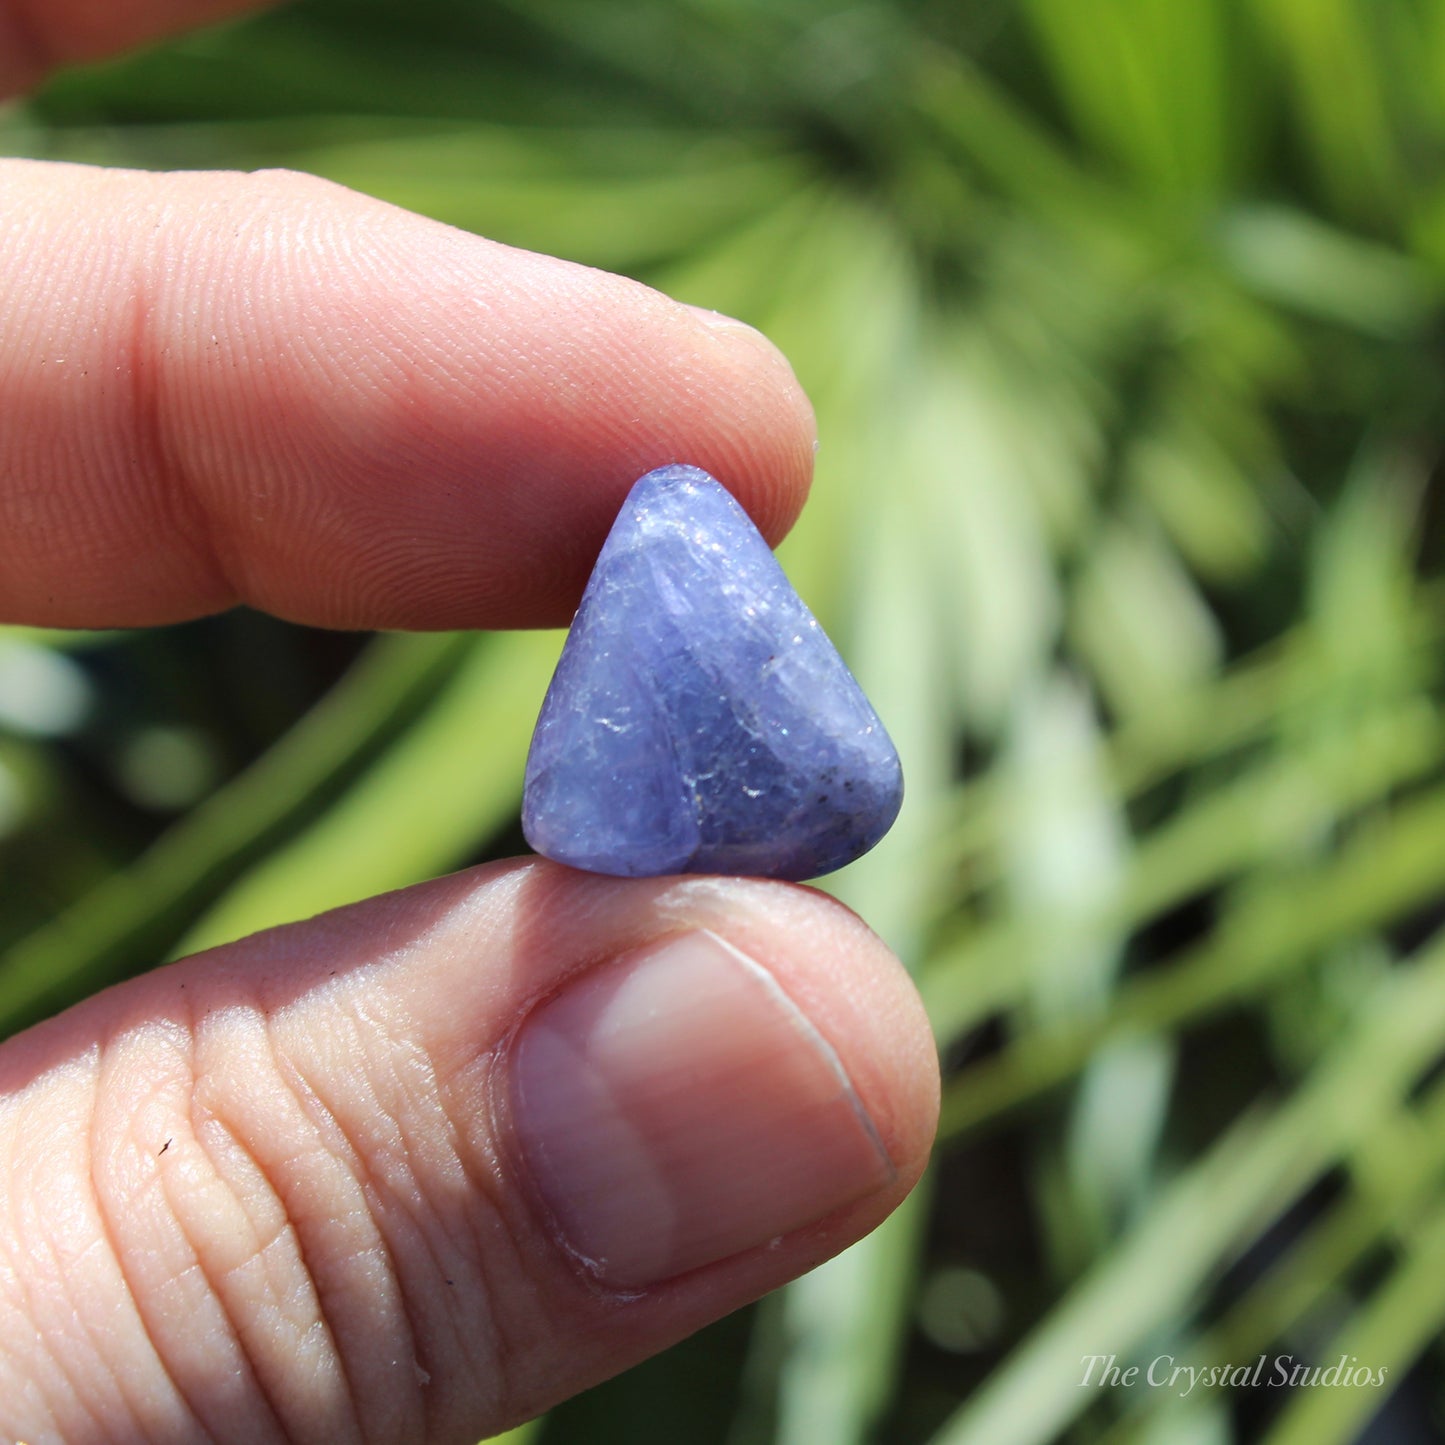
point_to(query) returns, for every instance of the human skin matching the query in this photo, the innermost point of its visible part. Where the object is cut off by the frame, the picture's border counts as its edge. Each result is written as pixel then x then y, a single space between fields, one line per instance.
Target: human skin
pixel 422 1167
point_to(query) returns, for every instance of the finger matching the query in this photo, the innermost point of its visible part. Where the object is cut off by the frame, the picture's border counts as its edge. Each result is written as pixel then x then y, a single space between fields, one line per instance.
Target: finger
pixel 37 35
pixel 267 389
pixel 418 1169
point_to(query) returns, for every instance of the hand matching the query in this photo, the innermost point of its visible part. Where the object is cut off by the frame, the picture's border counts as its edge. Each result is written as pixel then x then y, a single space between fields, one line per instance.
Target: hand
pixel 417 1169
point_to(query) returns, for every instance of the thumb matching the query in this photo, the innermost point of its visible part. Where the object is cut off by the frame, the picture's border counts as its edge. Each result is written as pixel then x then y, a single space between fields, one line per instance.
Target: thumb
pixel 422 1167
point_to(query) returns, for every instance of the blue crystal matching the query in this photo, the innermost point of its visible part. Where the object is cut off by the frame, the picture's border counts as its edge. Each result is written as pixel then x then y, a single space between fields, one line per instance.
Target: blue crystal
pixel 699 720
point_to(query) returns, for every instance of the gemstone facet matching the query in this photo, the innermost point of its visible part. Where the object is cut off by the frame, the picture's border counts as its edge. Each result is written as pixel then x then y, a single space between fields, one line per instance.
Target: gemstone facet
pixel 699 720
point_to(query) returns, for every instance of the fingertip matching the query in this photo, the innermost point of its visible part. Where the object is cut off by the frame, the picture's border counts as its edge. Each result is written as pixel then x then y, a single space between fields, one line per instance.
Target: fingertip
pixel 828 964
pixel 855 990
pixel 774 482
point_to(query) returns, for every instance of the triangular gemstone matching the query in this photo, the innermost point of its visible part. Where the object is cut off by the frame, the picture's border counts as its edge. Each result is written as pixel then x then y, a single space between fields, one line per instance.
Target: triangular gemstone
pixel 699 720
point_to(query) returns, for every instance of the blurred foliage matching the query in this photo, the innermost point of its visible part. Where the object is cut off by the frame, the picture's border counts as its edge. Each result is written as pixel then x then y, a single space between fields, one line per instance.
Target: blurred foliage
pixel 1123 323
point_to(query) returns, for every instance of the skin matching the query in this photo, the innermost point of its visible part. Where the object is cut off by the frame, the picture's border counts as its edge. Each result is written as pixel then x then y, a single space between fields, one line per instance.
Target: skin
pixel 274 1191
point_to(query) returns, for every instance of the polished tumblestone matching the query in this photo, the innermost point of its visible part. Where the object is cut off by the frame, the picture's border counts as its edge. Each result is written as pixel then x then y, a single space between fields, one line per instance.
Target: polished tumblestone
pixel 699 720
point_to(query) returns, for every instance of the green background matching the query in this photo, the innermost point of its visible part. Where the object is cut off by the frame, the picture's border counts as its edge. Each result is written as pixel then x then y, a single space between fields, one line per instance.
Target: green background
pixel 1123 323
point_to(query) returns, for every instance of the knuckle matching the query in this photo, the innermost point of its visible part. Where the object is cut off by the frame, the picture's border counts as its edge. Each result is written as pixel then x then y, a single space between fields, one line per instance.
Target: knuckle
pixel 284 1227
pixel 240 1196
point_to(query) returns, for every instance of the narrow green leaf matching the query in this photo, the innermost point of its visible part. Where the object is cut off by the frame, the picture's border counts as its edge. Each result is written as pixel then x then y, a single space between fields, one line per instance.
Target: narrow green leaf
pixel 1383 1338
pixel 844 1324
pixel 1299 261
pixel 434 797
pixel 1210 1212
pixel 1341 87
pixel 1150 82
pixel 1383 872
pixel 129 921
pixel 1263 815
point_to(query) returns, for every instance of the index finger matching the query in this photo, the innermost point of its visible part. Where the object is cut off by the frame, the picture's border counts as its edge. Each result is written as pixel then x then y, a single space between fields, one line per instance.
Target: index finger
pixel 220 388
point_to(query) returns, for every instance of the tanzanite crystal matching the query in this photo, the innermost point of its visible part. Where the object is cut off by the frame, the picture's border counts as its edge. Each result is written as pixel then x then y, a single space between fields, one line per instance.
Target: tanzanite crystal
pixel 699 720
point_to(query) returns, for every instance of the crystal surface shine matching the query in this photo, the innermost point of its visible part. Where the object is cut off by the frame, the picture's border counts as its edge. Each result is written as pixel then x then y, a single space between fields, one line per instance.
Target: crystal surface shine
pixel 699 720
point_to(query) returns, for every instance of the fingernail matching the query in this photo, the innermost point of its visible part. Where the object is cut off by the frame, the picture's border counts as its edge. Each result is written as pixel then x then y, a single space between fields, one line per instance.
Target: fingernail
pixel 675 1107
